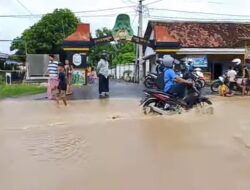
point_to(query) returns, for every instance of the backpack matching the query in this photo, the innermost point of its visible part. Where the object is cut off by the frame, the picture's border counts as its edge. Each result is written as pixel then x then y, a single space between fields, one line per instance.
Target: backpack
pixel 160 84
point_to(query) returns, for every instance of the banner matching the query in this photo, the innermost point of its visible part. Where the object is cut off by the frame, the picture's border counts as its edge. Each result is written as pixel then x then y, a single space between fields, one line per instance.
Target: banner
pixel 79 78
pixel 141 41
pixel 199 61
pixel 104 39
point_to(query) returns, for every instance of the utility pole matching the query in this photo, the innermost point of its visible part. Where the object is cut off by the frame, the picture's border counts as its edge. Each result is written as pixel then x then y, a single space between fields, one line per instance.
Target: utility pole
pixel 139 48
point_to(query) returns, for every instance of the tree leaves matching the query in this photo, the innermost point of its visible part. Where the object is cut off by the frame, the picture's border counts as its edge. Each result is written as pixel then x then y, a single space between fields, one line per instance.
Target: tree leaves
pixel 48 34
pixel 121 52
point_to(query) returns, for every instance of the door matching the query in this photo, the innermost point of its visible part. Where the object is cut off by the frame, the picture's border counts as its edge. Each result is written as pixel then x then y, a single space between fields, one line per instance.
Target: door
pixel 218 69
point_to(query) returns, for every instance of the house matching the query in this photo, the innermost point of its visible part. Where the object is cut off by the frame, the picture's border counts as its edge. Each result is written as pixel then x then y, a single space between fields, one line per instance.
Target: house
pixel 212 45
pixel 3 56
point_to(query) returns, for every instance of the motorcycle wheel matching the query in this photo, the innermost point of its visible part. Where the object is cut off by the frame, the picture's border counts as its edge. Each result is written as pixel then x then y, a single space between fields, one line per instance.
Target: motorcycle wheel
pixel 148 83
pixel 215 86
pixel 146 107
pixel 203 82
pixel 199 84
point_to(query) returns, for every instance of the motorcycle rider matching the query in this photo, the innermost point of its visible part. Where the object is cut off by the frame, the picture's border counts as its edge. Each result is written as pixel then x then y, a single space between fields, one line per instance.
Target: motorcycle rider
pixel 240 74
pixel 173 83
pixel 238 67
pixel 231 74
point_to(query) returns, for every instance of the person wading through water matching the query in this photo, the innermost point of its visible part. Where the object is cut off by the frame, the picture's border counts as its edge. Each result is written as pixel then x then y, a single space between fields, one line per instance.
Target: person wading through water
pixel 69 74
pixel 103 74
pixel 53 76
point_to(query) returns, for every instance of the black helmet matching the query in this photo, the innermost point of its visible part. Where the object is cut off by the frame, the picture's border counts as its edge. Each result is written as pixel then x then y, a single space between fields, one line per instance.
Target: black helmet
pixel 104 55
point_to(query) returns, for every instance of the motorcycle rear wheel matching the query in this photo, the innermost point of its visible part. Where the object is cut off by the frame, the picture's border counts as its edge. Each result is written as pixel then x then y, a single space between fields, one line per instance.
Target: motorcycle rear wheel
pixel 148 83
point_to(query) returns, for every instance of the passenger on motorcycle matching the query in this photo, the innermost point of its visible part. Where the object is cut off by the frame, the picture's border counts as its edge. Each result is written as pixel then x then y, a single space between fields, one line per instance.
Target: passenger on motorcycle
pixel 231 74
pixel 190 65
pixel 173 83
pixel 242 75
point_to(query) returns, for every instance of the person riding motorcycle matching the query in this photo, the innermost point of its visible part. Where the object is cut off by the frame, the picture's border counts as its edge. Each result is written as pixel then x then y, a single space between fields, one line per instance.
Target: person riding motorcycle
pixel 238 67
pixel 173 83
pixel 242 75
pixel 190 65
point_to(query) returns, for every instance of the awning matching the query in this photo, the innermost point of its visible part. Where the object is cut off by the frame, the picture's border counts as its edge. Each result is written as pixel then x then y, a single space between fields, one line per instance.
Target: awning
pixel 211 51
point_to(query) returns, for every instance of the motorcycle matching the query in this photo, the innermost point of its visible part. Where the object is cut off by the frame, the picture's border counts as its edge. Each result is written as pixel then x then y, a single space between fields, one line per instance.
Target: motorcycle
pixel 223 80
pixel 166 104
pixel 200 77
pixel 151 78
pixel 215 86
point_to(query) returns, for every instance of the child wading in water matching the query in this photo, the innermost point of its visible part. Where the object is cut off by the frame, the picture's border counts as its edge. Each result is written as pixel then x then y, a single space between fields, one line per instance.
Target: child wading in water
pixel 62 87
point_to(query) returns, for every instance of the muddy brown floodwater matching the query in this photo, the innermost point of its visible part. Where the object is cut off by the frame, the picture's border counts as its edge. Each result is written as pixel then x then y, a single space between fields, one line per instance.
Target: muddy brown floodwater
pixel 110 145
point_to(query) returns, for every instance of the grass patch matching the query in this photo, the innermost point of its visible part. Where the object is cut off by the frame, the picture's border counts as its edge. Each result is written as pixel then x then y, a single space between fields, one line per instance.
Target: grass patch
pixel 17 90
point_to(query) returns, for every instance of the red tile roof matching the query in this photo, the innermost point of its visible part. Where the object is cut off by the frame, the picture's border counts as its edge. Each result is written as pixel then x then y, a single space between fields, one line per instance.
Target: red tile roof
pixel 162 35
pixel 82 33
pixel 203 35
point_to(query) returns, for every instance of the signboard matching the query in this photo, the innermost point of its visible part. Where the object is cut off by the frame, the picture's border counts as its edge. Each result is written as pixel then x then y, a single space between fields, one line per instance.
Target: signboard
pixel 104 39
pixel 77 59
pixel 199 61
pixel 79 78
pixel 142 41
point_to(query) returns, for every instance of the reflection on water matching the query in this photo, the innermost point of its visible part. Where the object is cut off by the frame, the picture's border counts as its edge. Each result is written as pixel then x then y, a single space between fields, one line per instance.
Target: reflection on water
pixel 110 145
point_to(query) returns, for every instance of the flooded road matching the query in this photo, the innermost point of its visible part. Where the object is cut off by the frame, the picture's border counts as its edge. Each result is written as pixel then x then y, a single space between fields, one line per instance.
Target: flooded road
pixel 110 145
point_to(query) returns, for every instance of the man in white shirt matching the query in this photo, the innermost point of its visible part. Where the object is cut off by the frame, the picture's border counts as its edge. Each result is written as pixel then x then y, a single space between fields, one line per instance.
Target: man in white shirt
pixel 103 74
pixel 231 74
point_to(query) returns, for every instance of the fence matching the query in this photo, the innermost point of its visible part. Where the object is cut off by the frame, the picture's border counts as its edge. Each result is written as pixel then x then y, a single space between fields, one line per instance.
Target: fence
pixel 121 71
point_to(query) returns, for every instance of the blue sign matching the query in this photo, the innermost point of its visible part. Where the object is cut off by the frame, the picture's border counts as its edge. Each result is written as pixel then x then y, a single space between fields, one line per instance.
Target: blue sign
pixel 200 61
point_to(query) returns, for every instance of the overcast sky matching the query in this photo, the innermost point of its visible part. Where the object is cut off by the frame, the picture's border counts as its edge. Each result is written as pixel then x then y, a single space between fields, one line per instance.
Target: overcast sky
pixel 13 27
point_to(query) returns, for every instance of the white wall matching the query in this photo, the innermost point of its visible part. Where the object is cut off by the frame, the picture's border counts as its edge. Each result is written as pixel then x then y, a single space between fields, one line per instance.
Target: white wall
pixel 120 69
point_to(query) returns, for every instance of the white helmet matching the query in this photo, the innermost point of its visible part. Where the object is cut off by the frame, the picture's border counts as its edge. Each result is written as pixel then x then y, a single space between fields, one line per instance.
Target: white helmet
pixel 237 61
pixel 190 60
pixel 168 61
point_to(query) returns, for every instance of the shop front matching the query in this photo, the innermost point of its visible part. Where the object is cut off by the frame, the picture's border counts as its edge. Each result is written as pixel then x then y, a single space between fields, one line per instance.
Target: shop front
pixel 211 46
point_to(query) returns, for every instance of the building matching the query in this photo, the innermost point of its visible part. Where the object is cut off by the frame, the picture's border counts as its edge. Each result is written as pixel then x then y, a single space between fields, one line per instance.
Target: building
pixel 212 45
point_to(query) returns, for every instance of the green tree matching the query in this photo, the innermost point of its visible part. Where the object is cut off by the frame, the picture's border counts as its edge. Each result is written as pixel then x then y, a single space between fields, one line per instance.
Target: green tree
pixel 121 52
pixel 47 35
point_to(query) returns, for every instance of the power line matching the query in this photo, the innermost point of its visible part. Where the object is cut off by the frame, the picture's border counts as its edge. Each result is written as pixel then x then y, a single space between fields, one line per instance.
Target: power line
pixel 195 19
pixel 104 15
pixel 75 12
pixel 197 12
pixel 154 2
pixel 99 10
pixel 20 3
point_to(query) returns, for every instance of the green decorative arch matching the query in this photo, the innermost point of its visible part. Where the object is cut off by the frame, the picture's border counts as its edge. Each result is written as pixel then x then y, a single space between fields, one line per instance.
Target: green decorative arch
pixel 122 29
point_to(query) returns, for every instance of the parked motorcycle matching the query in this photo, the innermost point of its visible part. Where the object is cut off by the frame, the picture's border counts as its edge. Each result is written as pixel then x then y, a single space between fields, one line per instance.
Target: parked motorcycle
pixel 151 79
pixel 162 103
pixel 215 86
pixel 223 80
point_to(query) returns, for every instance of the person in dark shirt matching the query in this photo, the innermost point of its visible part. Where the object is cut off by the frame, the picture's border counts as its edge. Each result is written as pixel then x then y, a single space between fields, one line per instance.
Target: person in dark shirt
pixel 62 86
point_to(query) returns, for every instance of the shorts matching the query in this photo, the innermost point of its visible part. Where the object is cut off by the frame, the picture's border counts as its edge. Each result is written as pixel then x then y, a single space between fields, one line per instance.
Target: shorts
pixel 61 93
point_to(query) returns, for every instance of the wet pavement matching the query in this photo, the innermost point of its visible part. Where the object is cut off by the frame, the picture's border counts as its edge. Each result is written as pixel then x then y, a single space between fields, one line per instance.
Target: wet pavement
pixel 118 89
pixel 110 145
